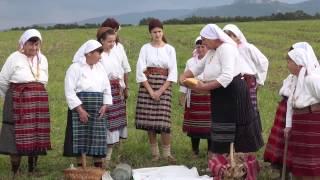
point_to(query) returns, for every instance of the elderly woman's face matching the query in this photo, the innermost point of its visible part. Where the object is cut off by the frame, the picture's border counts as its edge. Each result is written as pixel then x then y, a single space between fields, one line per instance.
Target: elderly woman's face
pixel 211 43
pixel 93 57
pixel 156 34
pixel 201 50
pixel 31 48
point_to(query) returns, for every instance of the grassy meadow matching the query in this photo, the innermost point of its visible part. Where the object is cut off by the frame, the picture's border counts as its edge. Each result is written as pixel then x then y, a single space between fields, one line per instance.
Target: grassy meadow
pixel 59 46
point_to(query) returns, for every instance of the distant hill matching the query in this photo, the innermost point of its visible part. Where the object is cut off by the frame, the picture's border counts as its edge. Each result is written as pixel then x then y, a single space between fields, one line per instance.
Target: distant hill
pixel 134 18
pixel 252 8
pixel 260 8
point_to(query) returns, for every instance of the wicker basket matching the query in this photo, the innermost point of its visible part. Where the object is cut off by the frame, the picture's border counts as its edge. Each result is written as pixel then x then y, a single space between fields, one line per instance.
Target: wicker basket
pixel 83 173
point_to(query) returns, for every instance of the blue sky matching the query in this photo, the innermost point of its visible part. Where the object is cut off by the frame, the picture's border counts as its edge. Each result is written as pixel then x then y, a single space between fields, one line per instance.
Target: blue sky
pixel 15 13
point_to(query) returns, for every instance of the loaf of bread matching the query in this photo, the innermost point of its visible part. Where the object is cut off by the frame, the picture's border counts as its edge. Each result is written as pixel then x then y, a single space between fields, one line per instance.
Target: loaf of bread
pixel 190 82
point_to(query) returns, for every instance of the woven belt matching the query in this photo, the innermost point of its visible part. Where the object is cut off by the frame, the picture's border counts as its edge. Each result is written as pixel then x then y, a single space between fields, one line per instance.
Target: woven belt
pixel 156 70
pixel 315 108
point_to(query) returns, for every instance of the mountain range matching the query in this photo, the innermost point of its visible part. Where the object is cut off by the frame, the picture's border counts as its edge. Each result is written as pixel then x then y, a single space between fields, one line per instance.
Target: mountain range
pixel 252 8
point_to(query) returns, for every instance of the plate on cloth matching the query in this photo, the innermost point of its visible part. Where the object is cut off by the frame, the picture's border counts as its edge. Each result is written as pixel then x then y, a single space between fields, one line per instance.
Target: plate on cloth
pixel 168 173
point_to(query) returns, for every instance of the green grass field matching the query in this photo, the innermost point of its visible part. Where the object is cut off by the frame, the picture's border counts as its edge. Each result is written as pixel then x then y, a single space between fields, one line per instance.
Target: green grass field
pixel 272 38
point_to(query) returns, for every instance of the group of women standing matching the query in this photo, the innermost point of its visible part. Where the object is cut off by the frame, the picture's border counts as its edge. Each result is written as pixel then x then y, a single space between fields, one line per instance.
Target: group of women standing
pixel 221 107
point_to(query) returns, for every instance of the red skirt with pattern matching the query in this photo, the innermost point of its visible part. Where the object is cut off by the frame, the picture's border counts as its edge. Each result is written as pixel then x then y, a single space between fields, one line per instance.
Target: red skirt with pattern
pixel 275 146
pixel 197 117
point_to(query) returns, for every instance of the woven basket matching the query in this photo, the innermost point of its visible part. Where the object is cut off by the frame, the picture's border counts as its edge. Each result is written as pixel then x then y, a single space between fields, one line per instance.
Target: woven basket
pixel 83 173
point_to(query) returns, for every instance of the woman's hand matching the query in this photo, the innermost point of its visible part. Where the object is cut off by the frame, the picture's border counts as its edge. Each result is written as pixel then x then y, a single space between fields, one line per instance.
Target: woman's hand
pixel 83 115
pixel 151 93
pixel 287 132
pixel 102 111
pixel 126 93
pixel 199 87
pixel 182 99
pixel 157 94
pixel 181 79
pixel 185 75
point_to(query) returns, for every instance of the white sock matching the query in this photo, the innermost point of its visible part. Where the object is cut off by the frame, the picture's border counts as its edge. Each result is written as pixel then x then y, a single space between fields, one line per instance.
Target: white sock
pixel 155 149
pixel 109 153
pixel 166 150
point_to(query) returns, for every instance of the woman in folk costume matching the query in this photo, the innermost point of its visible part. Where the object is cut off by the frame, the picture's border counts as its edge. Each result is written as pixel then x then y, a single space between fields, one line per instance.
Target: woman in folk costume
pixel 233 115
pixel 26 119
pixel 254 64
pixel 120 52
pixel 116 114
pixel 88 93
pixel 274 150
pixel 197 115
pixel 156 71
pixel 303 113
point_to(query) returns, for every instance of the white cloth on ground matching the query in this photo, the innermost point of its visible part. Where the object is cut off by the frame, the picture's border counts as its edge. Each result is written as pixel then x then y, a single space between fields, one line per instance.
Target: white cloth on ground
pixel 168 173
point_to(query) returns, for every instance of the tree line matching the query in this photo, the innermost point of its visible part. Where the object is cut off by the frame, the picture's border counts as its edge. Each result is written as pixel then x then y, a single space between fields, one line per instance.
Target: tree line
pixel 297 15
pixel 64 26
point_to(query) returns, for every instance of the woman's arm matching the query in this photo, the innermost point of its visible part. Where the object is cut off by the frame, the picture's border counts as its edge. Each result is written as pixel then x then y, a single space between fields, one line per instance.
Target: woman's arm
pixel 204 87
pixel 5 75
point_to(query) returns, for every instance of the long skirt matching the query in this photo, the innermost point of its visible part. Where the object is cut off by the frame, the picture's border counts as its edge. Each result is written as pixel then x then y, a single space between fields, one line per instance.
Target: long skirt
pixel 253 89
pixel 154 115
pixel 86 138
pixel 197 117
pixel 304 144
pixel 116 115
pixel 26 120
pixel 275 146
pixel 234 119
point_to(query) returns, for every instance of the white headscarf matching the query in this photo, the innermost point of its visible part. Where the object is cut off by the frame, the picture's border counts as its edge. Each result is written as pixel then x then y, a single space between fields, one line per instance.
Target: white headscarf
pixel 212 31
pixel 303 55
pixel 237 32
pixel 27 35
pixel 310 53
pixel 194 52
pixel 87 47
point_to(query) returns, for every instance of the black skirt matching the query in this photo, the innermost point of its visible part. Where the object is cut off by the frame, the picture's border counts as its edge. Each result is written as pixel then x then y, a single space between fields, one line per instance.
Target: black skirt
pixel 234 119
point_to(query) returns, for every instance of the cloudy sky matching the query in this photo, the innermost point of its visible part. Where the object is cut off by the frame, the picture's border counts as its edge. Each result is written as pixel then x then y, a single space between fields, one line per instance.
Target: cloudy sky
pixel 16 13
